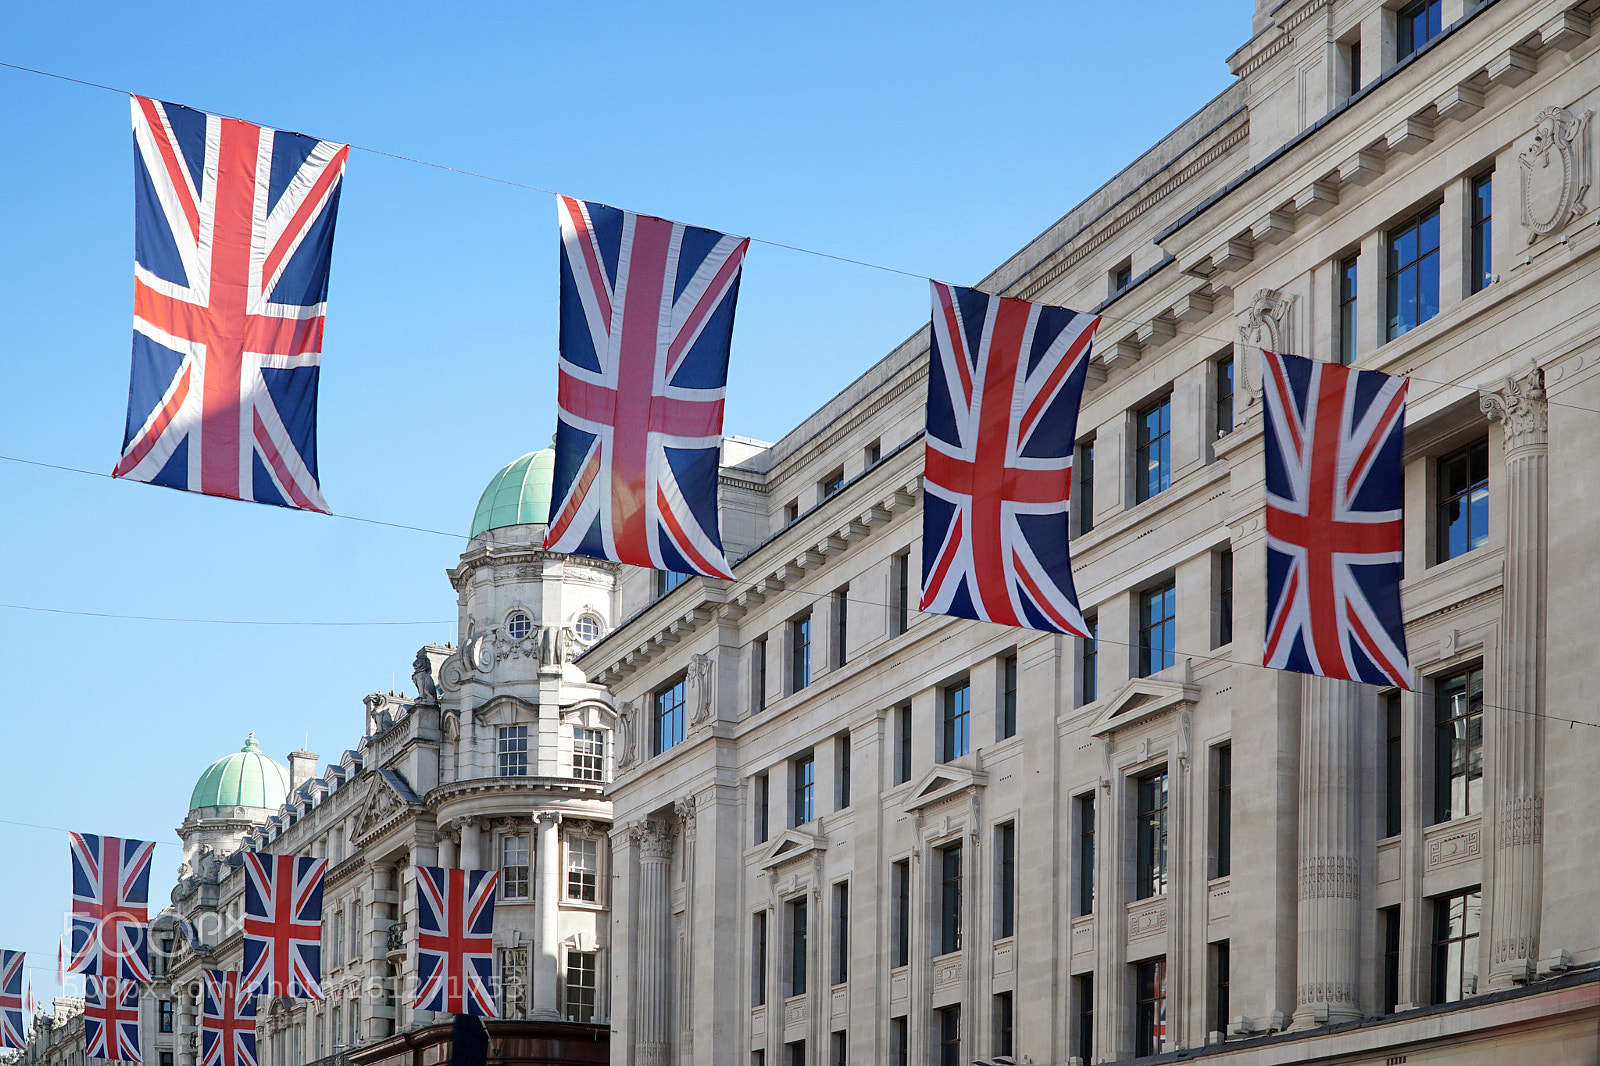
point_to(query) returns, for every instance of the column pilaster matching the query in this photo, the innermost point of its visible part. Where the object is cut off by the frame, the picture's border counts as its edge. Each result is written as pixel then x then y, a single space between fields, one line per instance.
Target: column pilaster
pixel 547 914
pixel 653 838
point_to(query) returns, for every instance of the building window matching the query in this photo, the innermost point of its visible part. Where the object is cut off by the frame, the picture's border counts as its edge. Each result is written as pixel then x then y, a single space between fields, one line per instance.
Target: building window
pixel 1463 519
pixel 902 759
pixel 950 1036
pixel 582 983
pixel 799 653
pixel 1150 1009
pixel 899 593
pixel 1393 767
pixel 1089 661
pixel 583 869
pixel 1152 833
pixel 1219 987
pixel 1005 1024
pixel 795 1053
pixel 1008 696
pixel 871 454
pixel 1152 465
pixel 1458 744
pixel 797 946
pixel 840 1054
pixel 518 625
pixel 832 483
pixel 1389 923
pixel 1083 1009
pixel 1224 597
pixel 1415 26
pixel 842 763
pixel 804 769
pixel 1085 466
pixel 667 717
pixel 1121 276
pixel 1347 310
pixel 791 512
pixel 1157 628
pixel 758 958
pixel 587 628
pixel 900 886
pixel 956 737
pixel 1005 892
pixel 949 932
pixel 1482 235
pixel 899 1042
pixel 164 1023
pixel 667 580
pixel 336 1028
pixel 355 1021
pixel 1084 805
pixel 588 754
pixel 1413 272
pixel 513 748
pixel 1223 370
pixel 758 675
pixel 1456 921
pixel 1224 810
pixel 841 627
pixel 514 878
pixel 165 1058
pixel 1352 67
pixel 841 932
pixel 763 804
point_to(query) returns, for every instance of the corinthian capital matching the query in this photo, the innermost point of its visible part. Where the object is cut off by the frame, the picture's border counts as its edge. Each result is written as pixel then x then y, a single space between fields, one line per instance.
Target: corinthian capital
pixel 1520 408
pixel 653 838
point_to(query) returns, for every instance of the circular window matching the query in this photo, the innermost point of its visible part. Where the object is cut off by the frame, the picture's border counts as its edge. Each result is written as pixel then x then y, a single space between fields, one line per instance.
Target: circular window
pixel 587 628
pixel 518 625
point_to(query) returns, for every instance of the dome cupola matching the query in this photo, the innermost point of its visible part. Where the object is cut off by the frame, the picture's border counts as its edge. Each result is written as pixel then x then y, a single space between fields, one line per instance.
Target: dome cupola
pixel 247 778
pixel 519 495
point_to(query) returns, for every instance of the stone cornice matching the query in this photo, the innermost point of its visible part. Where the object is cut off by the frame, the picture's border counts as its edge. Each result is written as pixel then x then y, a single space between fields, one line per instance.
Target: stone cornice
pixel 474 786
pixel 515 555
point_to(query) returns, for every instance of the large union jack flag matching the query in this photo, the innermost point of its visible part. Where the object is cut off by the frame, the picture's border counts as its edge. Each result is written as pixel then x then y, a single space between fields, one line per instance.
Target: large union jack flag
pixel 1334 495
pixel 646 322
pixel 283 925
pixel 1005 378
pixel 228 1028
pixel 233 228
pixel 111 1019
pixel 110 906
pixel 455 945
pixel 13 1011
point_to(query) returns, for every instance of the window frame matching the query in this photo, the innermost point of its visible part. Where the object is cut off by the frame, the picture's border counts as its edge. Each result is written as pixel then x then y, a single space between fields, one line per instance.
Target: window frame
pixel 948 931
pixel 758 958
pixel 512 741
pixel 1472 492
pixel 758 674
pixel 798 921
pixel 799 652
pixel 1444 941
pixel 1425 266
pixel 1222 398
pixel 1480 258
pixel 803 793
pixel 1089 660
pixel 1083 463
pixel 1224 573
pixel 1348 273
pixel 1154 658
pixel 1005 891
pixel 900 911
pixel 1150 1007
pixel 761 784
pixel 1152 453
pixel 1083 865
pixel 899 593
pixel 1008 696
pixel 955 720
pixel 840 603
pixel 586 878
pixel 841 763
pixel 1222 795
pixel 667 580
pixel 1152 836
pixel 841 932
pixel 903 748
pixel 588 965
pixel 668 711
pixel 1406 43
pixel 1445 730
pixel 510 882
pixel 1083 1012
pixel 588 754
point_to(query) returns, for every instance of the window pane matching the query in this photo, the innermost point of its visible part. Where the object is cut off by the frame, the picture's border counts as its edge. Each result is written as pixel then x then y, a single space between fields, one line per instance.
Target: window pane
pixel 1152 836
pixel 957 707
pixel 668 724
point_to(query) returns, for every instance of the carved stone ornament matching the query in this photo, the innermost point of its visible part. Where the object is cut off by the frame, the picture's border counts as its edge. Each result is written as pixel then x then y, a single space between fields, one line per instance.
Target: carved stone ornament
pixel 1267 324
pixel 1556 170
pixel 379 715
pixel 653 839
pixel 1520 408
pixel 422 679
pixel 684 809
pixel 702 685
pixel 627 741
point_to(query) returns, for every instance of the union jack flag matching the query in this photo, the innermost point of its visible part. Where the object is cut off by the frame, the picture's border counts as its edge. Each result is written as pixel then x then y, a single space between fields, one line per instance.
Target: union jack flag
pixel 1005 378
pixel 111 1019
pixel 13 1011
pixel 283 925
pixel 228 1029
pixel 110 900
pixel 233 234
pixel 646 322
pixel 455 946
pixel 1334 495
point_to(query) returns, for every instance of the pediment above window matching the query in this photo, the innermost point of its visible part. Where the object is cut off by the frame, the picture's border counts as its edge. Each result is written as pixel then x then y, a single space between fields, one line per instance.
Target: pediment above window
pixel 504 710
pixel 1142 699
pixel 790 845
pixel 945 781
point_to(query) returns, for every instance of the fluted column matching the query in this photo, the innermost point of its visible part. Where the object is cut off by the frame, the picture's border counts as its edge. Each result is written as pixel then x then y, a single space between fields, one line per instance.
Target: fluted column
pixel 547 914
pixel 1516 752
pixel 653 1011
pixel 1328 961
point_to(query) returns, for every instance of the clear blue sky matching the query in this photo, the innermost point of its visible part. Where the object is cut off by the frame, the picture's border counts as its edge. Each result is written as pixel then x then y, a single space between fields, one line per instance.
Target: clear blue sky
pixel 933 137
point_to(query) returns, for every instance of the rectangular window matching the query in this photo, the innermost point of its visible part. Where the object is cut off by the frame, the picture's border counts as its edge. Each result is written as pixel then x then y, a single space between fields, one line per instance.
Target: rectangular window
pixel 804 808
pixel 1224 810
pixel 165 1058
pixel 355 930
pixel 1224 597
pixel 841 932
pixel 758 675
pixel 1463 509
pixel 1482 235
pixel 841 627
pixel 1415 26
pixel 758 958
pixel 1224 389
pixel 832 483
pixel 1089 661
pixel 1158 628
pixel 1005 1024
pixel 950 1036
pixel 900 885
pixel 1393 767
pixel 758 1057
pixel 1219 987
pixel 956 737
pixel 1086 486
pixel 872 453
pixel 840 1055
pixel 514 877
pixel 1354 61
pixel 1152 833
pixel 582 984
pixel 588 754
pixel 841 760
pixel 164 1024
pixel 791 512
pixel 1347 310
pixel 1085 857
pixel 899 593
pixel 667 719
pixel 1152 465
pixel 667 580
pixel 799 653
pixel 761 784
pixel 899 1042
pixel 902 762
pixel 1389 926
pixel 1005 889
pixel 1458 744
pixel 797 946
pixel 1008 696
pixel 513 749
pixel 1150 1007
pixel 583 869
pixel 949 932
pixel 1083 1010
pixel 1413 272
pixel 795 1053
pixel 1121 276
pixel 1456 920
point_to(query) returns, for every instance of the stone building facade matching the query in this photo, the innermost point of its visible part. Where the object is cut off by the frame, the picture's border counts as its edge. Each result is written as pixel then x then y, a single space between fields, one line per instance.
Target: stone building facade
pixel 850 832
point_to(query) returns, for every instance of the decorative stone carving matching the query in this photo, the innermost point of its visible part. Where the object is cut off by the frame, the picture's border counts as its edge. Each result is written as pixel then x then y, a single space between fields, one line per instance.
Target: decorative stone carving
pixel 1553 197
pixel 627 741
pixel 1330 877
pixel 379 715
pixel 702 682
pixel 514 981
pixel 684 809
pixel 1268 324
pixel 422 679
pixel 1520 408
pixel 395 938
pixel 553 644
pixel 653 839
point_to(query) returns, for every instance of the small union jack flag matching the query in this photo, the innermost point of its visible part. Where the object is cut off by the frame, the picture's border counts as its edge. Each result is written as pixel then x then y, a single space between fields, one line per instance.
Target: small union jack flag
pixel 110 906
pixel 646 323
pixel 13 1009
pixel 1334 438
pixel 455 945
pixel 111 1019
pixel 233 234
pixel 228 1028
pixel 1005 378
pixel 283 925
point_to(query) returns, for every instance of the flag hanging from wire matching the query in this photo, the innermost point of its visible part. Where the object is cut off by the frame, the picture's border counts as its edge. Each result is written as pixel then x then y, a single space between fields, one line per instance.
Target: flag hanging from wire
pixel 455 941
pixel 110 906
pixel 228 1027
pixel 646 324
pixel 111 1019
pixel 1335 485
pixel 14 1009
pixel 233 235
pixel 283 925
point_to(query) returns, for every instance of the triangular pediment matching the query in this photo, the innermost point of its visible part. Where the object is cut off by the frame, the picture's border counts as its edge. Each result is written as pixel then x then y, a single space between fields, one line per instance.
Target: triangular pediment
pixel 790 845
pixel 943 782
pixel 390 800
pixel 1140 700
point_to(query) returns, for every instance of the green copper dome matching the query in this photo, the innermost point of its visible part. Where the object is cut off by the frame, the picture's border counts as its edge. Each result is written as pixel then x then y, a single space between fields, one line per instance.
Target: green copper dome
pixel 518 495
pixel 246 778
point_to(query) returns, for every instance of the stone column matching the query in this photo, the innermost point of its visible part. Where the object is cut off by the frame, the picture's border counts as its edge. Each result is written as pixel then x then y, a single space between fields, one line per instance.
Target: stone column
pixel 471 847
pixel 1328 959
pixel 653 1013
pixel 1516 747
pixel 547 914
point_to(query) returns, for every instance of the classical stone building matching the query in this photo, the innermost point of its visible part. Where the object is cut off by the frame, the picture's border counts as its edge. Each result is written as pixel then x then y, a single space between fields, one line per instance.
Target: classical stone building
pixel 851 832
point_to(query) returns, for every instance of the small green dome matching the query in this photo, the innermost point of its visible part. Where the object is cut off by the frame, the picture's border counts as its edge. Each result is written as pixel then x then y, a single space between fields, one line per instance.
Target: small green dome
pixel 246 778
pixel 519 495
